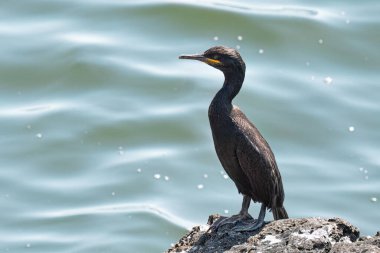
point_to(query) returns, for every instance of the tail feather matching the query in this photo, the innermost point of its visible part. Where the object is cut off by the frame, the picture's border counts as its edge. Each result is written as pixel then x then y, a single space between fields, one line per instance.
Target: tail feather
pixel 279 213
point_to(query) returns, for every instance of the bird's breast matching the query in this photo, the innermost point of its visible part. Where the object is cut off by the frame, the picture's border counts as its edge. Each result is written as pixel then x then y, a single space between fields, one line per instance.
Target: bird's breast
pixel 223 131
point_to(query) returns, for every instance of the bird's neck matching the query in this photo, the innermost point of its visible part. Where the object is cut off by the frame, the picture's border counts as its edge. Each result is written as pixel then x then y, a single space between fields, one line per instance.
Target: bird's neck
pixel 231 87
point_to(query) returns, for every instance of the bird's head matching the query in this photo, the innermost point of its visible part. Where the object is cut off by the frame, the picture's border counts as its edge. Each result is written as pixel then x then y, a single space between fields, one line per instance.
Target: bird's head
pixel 226 59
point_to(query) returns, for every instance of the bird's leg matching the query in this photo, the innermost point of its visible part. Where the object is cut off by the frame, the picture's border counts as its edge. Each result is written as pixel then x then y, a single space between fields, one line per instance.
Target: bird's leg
pixel 257 224
pixel 244 208
pixel 242 215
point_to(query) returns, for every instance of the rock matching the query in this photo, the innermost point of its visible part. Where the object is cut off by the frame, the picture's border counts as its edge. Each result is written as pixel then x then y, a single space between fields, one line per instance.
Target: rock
pixel 285 236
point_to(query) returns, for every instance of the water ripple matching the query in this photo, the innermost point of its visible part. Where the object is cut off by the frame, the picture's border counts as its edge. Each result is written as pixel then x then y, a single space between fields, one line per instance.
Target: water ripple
pixel 144 67
pixel 87 38
pixel 266 9
pixel 144 154
pixel 33 110
pixel 118 208
pixel 30 28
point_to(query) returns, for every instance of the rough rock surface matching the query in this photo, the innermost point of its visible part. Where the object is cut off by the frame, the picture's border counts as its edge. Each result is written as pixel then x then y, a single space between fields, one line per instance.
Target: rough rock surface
pixel 285 236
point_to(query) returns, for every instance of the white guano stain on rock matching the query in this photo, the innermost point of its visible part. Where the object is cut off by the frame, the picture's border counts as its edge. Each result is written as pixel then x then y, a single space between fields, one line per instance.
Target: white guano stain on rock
pixel 272 239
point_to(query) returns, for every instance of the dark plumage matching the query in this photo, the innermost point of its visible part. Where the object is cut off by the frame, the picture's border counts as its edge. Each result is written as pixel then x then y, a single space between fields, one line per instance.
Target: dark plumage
pixel 243 152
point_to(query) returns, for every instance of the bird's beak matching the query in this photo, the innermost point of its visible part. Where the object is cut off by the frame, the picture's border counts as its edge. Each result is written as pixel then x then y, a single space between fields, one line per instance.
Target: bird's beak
pixel 198 57
pixel 202 58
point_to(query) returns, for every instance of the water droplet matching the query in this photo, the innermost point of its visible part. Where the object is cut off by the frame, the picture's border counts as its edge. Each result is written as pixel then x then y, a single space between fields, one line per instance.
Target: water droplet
pixel 200 186
pixel 373 199
pixel 28 245
pixel 320 41
pixel 342 13
pixel 121 152
pixel 328 80
pixel 225 176
pixel 366 177
pixel 205 176
pixel 222 172
pixel 29 126
pixel 361 168
pixel 351 129
pixel 216 38
pixel 120 147
pixel 226 211
pixel 237 46
pixel 166 178
pixel 365 171
pixel 113 193
pixel 139 170
pixel 39 135
pixel 261 51
pixel 157 176
pixel 240 37
pixel 348 21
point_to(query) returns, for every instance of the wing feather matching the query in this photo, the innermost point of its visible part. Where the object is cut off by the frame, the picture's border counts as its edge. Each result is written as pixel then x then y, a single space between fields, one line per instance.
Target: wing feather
pixel 258 163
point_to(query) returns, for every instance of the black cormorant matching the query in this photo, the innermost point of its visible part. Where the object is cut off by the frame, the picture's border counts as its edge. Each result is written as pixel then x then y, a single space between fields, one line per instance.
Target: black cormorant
pixel 242 150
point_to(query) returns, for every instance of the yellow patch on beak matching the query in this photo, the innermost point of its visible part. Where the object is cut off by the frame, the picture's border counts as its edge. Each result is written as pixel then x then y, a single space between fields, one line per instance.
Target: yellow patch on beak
pixel 213 62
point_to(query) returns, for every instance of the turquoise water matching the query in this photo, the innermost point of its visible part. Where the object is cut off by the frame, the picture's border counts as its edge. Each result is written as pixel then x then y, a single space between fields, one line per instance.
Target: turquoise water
pixel 106 145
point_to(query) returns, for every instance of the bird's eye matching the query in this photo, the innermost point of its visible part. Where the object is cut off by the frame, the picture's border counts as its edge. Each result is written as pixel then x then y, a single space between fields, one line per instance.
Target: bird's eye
pixel 215 57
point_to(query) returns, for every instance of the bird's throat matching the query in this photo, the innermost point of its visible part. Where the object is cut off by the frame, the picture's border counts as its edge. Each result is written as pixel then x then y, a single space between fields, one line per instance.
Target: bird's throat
pixel 222 102
pixel 233 82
